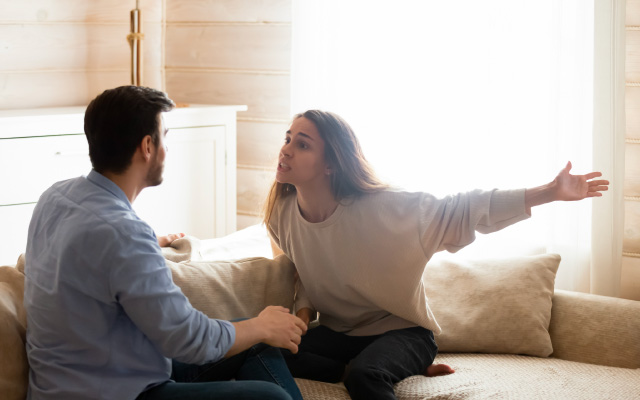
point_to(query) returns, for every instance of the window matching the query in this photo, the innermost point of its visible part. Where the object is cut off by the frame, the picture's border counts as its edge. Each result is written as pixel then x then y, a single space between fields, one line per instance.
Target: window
pixel 452 96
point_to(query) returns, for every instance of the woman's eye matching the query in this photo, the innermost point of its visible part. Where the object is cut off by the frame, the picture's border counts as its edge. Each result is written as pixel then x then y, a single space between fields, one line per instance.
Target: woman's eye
pixel 287 140
pixel 303 145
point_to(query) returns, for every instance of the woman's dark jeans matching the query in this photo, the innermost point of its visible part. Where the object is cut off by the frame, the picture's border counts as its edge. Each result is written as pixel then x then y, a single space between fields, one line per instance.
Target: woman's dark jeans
pixel 375 363
pixel 259 373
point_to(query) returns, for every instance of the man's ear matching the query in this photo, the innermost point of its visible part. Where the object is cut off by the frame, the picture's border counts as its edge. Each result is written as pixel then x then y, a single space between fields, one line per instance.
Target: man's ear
pixel 146 147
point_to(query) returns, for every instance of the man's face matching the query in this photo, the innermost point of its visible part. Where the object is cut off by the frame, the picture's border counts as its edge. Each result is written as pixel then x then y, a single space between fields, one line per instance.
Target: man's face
pixel 154 175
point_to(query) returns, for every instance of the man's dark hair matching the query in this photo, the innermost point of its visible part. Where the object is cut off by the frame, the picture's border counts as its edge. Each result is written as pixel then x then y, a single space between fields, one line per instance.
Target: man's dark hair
pixel 116 122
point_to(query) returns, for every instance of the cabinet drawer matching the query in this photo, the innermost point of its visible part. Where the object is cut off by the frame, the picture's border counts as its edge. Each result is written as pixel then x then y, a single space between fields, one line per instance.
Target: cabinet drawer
pixel 31 165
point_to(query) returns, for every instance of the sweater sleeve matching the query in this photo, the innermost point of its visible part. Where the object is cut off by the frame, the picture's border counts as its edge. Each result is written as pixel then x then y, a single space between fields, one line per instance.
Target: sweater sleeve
pixel 301 299
pixel 450 223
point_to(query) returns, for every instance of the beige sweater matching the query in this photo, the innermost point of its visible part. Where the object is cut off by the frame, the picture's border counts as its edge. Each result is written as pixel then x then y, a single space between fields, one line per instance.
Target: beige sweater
pixel 361 269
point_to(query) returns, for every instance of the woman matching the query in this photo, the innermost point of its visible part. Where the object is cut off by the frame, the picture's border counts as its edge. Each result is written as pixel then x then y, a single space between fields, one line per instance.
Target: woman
pixel 360 249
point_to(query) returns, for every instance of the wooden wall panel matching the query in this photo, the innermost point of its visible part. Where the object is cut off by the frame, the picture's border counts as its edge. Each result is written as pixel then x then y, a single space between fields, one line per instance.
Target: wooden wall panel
pixel 245 221
pixel 267 96
pixel 55 89
pixel 229 10
pixel 65 52
pixel 77 10
pixel 236 52
pixel 253 187
pixel 259 143
pixel 75 46
pixel 61 88
pixel 254 47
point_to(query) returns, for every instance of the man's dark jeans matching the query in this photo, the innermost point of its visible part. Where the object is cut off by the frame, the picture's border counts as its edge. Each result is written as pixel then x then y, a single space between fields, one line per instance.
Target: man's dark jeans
pixel 259 373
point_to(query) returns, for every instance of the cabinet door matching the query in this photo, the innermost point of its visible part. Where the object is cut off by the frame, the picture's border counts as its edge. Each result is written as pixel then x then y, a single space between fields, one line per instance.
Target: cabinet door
pixel 191 198
pixel 31 165
pixel 14 226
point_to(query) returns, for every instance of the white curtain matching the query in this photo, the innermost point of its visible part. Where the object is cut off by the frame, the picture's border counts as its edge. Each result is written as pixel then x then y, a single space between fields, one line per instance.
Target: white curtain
pixel 451 96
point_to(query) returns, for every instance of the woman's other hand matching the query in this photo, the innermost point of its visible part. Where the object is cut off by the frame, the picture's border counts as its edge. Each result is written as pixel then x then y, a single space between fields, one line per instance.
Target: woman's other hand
pixel 165 241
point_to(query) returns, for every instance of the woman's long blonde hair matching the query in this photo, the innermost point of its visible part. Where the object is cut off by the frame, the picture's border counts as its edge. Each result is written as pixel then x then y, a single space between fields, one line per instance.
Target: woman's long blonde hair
pixel 352 174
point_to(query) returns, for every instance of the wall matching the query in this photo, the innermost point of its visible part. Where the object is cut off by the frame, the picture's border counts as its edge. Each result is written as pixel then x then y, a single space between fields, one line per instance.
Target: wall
pixel 236 52
pixel 65 52
pixel 630 287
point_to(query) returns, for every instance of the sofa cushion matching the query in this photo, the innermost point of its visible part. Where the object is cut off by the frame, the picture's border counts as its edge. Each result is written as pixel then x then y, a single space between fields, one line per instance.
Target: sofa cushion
pixel 493 305
pixel 14 367
pixel 235 289
pixel 500 376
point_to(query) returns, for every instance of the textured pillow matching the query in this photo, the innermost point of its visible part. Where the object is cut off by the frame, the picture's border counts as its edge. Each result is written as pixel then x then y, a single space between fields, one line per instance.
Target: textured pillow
pixel 14 367
pixel 493 305
pixel 235 289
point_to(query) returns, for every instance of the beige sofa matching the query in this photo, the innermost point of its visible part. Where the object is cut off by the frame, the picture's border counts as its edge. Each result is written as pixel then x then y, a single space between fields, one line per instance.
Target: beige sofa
pixel 505 331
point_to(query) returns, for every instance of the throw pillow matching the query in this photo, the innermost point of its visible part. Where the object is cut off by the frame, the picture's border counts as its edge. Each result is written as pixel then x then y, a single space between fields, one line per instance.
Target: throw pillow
pixel 235 289
pixel 493 305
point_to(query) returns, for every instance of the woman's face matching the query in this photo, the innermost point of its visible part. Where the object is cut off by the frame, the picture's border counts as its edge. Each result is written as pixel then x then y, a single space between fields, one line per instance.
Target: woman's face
pixel 301 161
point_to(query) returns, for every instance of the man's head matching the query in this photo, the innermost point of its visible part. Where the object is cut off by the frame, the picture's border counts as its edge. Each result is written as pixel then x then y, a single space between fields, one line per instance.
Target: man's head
pixel 118 120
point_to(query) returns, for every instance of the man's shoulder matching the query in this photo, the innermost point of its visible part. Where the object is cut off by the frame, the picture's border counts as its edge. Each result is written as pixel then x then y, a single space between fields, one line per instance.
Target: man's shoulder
pixel 91 208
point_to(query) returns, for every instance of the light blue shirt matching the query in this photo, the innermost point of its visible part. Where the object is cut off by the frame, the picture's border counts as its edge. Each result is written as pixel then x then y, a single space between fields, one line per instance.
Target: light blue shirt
pixel 104 316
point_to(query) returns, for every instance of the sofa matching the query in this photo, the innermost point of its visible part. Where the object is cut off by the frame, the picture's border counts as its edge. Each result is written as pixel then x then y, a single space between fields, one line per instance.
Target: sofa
pixel 507 333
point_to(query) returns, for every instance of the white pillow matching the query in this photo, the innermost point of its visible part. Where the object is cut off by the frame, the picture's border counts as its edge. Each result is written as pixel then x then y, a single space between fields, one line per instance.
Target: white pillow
pixel 493 305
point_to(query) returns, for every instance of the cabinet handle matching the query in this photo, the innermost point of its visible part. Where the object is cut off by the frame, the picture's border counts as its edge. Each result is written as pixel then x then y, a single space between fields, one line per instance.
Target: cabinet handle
pixel 69 153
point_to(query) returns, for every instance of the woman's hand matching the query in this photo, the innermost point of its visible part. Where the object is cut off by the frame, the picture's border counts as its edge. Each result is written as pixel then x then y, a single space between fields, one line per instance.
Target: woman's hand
pixel 566 187
pixel 165 241
pixel 305 314
pixel 577 187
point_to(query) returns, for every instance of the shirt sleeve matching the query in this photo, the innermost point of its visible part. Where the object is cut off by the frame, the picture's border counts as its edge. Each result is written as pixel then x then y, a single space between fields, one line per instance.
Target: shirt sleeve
pixel 450 223
pixel 141 283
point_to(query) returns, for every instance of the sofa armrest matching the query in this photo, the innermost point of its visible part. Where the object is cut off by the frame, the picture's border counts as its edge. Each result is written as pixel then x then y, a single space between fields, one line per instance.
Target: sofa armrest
pixel 595 329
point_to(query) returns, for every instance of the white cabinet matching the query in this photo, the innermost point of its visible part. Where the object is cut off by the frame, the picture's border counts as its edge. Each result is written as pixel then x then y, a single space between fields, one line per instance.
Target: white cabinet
pixel 198 195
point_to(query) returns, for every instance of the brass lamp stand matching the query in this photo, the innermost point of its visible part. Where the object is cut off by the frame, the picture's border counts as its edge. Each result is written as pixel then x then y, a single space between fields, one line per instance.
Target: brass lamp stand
pixel 135 42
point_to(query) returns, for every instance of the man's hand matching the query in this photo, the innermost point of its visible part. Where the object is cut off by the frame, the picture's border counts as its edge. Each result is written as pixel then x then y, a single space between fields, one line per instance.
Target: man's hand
pixel 281 329
pixel 165 241
pixel 274 326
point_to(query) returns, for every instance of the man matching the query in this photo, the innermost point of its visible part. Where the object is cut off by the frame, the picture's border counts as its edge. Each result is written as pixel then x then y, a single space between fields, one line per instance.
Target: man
pixel 104 316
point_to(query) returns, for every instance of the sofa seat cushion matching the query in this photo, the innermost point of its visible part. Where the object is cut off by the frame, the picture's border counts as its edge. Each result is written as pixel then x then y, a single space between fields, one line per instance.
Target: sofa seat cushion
pixel 502 376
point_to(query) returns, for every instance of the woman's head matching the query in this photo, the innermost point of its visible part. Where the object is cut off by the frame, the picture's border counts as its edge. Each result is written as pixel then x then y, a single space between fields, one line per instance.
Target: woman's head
pixel 349 173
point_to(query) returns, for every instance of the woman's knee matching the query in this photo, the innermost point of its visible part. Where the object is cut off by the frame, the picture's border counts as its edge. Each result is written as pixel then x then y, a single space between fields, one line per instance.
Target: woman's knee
pixel 358 375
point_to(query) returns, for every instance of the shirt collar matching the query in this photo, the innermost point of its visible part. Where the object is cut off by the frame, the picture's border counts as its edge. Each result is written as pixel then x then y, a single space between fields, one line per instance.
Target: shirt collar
pixel 107 184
